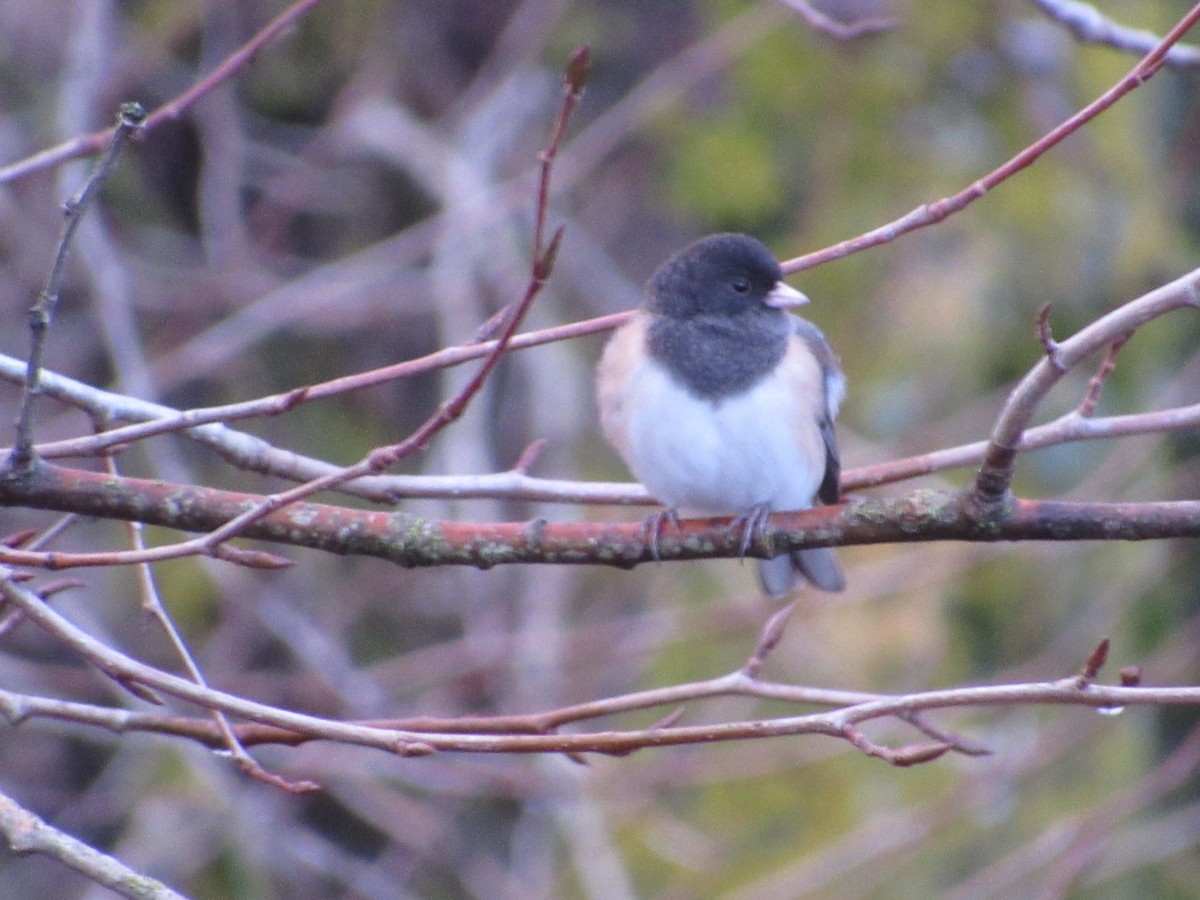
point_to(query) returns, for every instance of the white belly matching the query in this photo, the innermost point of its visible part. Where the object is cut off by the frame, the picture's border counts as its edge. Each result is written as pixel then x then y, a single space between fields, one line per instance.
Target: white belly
pixel 722 457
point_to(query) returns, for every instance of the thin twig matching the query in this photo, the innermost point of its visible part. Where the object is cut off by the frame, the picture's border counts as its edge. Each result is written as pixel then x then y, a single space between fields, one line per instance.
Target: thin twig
pixel 454 734
pixel 902 757
pixel 1095 662
pixel 252 453
pixel 932 213
pixel 842 31
pixel 1096 384
pixel 772 634
pixel 995 474
pixel 86 145
pixel 153 605
pixel 1068 428
pixel 129 120
pixel 544 254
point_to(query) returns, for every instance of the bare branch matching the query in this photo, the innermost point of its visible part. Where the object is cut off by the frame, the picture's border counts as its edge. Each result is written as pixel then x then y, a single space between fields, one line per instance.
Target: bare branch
pixel 88 144
pixel 1088 405
pixel 457 734
pixel 1090 26
pixel 412 541
pixel 842 31
pixel 153 605
pixel 27 833
pixel 1068 428
pixel 932 213
pixel 996 473
pixel 254 454
pixel 129 120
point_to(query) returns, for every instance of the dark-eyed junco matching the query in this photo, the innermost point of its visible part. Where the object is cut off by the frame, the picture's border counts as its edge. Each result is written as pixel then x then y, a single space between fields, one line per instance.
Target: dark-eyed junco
pixel 721 402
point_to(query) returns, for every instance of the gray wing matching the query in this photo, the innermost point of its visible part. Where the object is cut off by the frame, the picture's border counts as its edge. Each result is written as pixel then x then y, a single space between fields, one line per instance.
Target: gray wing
pixel 835 389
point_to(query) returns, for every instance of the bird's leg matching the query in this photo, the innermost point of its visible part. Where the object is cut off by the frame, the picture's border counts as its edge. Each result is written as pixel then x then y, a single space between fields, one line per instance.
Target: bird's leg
pixel 653 527
pixel 751 523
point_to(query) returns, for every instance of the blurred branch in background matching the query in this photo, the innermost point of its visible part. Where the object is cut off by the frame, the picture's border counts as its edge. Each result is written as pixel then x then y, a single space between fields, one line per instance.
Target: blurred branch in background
pixel 350 185
pixel 86 145
pixel 1088 24
pixel 538 733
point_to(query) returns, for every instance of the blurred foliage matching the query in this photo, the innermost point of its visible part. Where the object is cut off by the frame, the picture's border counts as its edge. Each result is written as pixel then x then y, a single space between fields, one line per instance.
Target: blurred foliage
pixel 360 194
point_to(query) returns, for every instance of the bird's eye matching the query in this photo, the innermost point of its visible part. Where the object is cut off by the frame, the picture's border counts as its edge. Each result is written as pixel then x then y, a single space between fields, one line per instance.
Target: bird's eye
pixel 741 285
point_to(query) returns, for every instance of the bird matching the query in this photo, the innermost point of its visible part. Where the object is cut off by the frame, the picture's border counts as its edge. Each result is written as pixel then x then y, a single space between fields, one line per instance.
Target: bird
pixel 722 402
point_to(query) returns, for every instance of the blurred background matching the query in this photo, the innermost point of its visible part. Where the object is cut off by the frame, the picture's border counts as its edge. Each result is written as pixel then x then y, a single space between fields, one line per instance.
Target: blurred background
pixel 362 193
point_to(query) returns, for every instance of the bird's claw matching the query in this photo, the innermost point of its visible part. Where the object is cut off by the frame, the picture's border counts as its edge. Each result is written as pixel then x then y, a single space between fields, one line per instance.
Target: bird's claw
pixel 653 526
pixel 752 524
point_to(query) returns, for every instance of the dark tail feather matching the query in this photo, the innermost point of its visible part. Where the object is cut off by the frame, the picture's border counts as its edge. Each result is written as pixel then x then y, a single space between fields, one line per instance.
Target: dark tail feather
pixel 779 576
pixel 820 566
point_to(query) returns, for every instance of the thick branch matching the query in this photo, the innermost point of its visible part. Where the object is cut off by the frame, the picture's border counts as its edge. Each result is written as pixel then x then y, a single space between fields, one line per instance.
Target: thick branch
pixel 411 541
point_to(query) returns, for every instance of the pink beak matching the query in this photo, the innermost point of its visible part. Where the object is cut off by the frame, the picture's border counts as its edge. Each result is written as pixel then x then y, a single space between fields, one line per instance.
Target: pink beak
pixel 784 295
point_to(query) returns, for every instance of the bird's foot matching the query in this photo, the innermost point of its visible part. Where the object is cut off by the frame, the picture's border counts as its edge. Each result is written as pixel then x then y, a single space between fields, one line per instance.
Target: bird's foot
pixel 752 524
pixel 653 526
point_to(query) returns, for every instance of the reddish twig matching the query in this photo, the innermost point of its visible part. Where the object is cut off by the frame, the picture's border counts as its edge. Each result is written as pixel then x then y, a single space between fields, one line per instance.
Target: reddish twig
pixel 86 145
pixel 1094 664
pixel 772 634
pixel 1088 405
pixel 544 253
pixel 932 213
pixel 529 456
pixel 457 734
pixel 161 420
